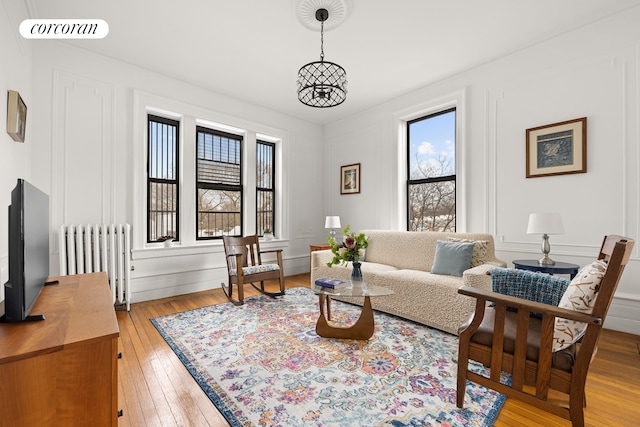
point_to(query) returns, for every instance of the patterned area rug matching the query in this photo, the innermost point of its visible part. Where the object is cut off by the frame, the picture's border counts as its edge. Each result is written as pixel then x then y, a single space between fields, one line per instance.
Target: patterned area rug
pixel 262 364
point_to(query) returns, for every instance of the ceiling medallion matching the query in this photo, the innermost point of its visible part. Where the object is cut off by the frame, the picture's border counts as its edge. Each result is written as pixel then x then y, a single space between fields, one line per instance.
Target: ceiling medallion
pixel 338 12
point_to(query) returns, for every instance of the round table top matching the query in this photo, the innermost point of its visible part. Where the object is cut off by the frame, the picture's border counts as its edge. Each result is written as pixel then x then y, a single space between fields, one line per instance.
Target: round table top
pixel 558 267
pixel 364 290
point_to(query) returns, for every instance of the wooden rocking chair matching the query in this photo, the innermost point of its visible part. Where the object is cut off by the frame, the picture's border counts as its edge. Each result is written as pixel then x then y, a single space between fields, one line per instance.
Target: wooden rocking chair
pixel 515 342
pixel 245 252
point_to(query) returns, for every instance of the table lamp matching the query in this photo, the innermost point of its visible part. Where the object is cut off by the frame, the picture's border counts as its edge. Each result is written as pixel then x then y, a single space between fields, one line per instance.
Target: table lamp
pixel 332 222
pixel 545 224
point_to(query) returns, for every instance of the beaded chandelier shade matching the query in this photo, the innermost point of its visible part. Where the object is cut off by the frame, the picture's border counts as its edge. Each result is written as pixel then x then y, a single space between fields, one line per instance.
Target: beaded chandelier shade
pixel 322 83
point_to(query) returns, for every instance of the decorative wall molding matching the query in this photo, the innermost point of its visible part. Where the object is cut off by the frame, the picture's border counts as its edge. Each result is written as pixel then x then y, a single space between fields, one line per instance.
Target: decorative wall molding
pixel 624 314
pixel 82 160
pixel 498 116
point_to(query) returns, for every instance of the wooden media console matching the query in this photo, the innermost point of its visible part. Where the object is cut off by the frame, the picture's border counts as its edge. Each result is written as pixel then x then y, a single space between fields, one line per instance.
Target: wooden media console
pixel 63 370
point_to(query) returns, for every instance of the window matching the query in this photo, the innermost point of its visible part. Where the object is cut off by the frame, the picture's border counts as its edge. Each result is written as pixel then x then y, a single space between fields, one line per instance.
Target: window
pixel 265 191
pixel 431 172
pixel 219 184
pixel 162 181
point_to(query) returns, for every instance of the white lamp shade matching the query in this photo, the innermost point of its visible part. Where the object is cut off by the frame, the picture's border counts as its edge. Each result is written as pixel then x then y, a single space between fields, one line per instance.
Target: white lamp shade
pixel 545 223
pixel 332 222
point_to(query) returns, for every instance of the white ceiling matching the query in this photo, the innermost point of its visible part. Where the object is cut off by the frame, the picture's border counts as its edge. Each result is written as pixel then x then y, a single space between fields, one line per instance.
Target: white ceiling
pixel 252 49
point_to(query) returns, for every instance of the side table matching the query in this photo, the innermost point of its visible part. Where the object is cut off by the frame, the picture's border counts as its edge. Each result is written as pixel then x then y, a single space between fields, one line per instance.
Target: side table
pixel 320 247
pixel 557 268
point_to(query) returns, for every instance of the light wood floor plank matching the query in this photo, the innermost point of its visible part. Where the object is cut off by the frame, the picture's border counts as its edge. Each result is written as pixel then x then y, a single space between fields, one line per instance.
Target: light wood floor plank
pixel 156 390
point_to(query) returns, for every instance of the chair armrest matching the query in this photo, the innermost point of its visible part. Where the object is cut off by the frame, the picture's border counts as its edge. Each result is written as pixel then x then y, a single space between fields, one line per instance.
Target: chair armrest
pixel 531 306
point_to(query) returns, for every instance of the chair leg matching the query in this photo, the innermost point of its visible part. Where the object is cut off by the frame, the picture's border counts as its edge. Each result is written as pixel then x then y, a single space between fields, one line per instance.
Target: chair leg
pixel 282 288
pixel 463 367
pixel 576 408
pixel 228 291
pixel 461 387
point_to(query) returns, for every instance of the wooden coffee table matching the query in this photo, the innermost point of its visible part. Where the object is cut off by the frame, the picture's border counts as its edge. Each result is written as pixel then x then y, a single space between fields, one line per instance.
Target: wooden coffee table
pixel 363 328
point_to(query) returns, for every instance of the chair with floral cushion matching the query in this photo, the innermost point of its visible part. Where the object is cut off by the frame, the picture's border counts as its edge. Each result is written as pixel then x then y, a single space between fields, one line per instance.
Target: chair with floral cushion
pixel 544 347
pixel 245 252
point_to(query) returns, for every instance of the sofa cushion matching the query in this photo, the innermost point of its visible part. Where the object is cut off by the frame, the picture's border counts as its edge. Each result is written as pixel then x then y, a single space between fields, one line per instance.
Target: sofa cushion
pixel 480 253
pixel 580 296
pixel 452 258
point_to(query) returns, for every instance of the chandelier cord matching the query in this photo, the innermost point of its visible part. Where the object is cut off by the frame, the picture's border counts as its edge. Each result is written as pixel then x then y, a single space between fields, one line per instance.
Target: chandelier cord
pixel 321 41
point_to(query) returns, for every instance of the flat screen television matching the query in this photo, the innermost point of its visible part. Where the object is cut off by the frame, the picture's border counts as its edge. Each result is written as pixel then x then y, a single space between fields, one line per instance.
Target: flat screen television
pixel 28 252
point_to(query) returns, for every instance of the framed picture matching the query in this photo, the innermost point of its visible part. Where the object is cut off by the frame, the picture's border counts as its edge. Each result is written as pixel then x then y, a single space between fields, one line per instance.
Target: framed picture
pixel 350 179
pixel 16 116
pixel 557 149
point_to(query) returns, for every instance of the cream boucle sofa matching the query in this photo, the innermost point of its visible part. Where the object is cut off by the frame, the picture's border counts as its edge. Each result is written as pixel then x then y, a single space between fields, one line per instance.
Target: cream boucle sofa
pixel 401 261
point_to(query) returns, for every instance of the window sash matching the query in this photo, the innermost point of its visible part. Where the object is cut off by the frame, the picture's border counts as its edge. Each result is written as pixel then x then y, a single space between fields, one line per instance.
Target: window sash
pixel 435 194
pixel 265 187
pixel 162 171
pixel 219 187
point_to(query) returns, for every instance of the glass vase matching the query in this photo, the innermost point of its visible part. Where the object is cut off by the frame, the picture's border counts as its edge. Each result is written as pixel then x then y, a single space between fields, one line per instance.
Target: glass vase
pixel 356 274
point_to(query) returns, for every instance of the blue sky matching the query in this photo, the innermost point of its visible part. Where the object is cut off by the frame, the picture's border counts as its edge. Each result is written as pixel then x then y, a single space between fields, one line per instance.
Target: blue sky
pixel 433 139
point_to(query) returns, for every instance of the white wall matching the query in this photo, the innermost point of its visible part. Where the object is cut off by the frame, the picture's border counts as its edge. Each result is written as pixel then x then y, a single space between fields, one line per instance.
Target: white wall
pixel 15 157
pixel 82 133
pixel 89 133
pixel 590 72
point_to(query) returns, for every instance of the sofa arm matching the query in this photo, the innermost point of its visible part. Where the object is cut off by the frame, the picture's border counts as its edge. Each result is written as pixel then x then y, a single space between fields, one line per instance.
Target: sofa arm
pixel 495 262
pixel 320 258
pixel 478 277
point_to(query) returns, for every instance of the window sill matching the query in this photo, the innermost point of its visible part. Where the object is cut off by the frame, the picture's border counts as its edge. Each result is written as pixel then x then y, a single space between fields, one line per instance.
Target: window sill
pixel 178 249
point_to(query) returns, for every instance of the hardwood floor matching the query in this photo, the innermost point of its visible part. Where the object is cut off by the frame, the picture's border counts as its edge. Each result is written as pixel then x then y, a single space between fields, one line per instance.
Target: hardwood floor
pixel 156 390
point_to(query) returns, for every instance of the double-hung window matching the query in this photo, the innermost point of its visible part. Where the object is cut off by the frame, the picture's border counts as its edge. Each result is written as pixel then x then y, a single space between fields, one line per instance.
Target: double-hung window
pixel 218 184
pixel 265 186
pixel 199 184
pixel 431 172
pixel 162 179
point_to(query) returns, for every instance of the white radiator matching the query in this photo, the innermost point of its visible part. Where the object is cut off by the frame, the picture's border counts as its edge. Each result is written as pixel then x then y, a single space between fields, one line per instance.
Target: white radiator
pixel 93 248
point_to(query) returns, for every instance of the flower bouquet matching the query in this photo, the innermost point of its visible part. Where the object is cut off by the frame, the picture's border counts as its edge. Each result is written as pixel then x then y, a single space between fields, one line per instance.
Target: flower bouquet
pixel 351 249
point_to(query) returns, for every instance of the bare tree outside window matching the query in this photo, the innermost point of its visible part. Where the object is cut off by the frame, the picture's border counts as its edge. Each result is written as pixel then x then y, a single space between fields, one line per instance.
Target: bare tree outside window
pixel 431 181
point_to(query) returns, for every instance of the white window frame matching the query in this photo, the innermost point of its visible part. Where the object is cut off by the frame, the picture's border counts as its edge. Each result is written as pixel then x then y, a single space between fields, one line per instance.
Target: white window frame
pixel 455 100
pixel 189 117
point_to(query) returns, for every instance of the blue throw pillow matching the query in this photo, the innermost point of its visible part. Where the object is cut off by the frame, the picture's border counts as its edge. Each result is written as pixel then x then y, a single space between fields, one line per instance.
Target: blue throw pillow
pixel 452 258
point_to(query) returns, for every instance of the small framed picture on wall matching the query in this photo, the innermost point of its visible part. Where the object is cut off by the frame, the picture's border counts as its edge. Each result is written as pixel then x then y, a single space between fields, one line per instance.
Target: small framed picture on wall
pixel 350 179
pixel 16 116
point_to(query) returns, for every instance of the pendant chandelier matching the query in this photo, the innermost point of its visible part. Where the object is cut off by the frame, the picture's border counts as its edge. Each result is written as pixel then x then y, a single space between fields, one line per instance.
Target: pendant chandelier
pixel 322 83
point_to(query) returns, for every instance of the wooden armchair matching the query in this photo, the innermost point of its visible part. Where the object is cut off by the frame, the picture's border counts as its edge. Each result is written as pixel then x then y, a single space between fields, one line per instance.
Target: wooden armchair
pixel 514 342
pixel 245 252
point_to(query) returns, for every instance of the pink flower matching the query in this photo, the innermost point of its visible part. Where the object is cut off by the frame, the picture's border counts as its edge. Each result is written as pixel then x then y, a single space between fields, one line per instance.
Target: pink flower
pixel 350 242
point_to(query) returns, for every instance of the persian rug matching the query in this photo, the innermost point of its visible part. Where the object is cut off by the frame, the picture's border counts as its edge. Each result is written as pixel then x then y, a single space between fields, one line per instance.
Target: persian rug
pixel 262 364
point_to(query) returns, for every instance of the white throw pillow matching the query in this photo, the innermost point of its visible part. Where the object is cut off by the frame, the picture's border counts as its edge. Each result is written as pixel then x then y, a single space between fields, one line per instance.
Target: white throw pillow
pixel 480 250
pixel 580 296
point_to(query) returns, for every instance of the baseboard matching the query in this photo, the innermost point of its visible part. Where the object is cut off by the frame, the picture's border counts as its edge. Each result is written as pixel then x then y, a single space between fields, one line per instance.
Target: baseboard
pixel 624 314
pixel 150 286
